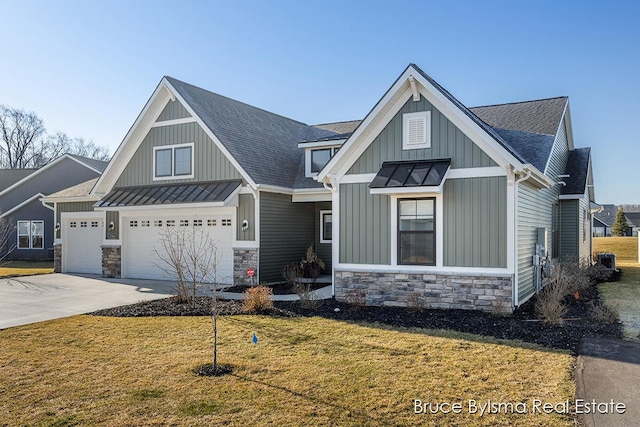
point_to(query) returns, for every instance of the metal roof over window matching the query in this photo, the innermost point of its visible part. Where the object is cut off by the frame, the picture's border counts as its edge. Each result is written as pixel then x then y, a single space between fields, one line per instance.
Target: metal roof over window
pixel 192 192
pixel 414 173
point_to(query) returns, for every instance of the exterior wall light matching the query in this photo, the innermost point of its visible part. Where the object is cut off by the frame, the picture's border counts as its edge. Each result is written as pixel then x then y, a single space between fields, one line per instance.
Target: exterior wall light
pixel 245 225
pixel 112 226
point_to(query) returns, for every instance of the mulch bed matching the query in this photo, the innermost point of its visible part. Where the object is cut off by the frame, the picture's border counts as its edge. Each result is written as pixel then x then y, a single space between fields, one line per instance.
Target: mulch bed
pixel 278 288
pixel 521 325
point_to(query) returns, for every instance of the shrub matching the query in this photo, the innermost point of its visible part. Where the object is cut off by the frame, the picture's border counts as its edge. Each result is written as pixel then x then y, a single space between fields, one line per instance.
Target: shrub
pixel 415 301
pixel 356 297
pixel 258 299
pixel 602 313
pixel 549 305
pixel 599 273
pixel 311 264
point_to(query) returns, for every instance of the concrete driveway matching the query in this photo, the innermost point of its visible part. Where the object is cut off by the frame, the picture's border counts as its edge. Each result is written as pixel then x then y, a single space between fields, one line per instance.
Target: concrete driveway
pixel 31 299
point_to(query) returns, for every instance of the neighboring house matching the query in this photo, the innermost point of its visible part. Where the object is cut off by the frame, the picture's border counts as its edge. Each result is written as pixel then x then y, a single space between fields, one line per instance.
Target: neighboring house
pixel 424 197
pixel 32 223
pixel 633 222
pixel 604 219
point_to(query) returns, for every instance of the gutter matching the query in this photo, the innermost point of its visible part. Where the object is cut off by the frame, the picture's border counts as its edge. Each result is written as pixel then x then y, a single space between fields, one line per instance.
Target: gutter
pixel 516 185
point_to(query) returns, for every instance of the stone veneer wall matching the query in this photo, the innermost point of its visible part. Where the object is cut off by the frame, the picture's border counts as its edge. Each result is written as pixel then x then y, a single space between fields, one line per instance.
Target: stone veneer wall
pixel 57 258
pixel 467 292
pixel 111 261
pixel 242 260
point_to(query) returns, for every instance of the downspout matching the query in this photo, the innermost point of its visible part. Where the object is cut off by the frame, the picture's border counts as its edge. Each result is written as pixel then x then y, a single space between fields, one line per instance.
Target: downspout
pixel 516 185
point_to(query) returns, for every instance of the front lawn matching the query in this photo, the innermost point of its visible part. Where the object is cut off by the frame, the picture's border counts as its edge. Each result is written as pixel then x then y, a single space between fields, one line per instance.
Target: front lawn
pixel 90 370
pixel 25 268
pixel 625 294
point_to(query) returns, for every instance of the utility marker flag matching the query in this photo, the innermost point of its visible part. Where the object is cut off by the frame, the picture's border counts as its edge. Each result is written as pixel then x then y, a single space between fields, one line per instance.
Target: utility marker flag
pixel 254 338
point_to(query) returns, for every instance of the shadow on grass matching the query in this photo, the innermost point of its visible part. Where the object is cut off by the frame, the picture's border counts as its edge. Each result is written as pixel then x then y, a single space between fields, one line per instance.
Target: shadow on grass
pixel 350 412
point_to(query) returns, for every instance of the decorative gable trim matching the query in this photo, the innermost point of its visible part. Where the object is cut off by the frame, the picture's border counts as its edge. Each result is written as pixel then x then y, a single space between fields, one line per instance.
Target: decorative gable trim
pixel 147 118
pixel 390 104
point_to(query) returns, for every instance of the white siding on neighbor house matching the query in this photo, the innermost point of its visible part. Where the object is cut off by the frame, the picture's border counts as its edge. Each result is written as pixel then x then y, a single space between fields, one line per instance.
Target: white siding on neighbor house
pixel 535 209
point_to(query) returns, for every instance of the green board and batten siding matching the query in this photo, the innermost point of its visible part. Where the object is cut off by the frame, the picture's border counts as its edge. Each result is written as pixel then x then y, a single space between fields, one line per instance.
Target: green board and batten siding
pixel 475 208
pixel 286 230
pixel 535 210
pixel 71 207
pixel 246 210
pixel 447 141
pixel 172 111
pixel 475 218
pixel 210 163
pixel 575 241
pixel 365 226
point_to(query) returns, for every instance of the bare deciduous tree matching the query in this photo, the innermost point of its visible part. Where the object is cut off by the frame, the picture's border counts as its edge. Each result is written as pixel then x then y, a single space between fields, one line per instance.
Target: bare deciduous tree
pixel 191 255
pixel 6 245
pixel 24 142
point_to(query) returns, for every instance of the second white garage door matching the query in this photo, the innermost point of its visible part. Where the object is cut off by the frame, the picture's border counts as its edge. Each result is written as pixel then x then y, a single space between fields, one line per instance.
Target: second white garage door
pixel 142 242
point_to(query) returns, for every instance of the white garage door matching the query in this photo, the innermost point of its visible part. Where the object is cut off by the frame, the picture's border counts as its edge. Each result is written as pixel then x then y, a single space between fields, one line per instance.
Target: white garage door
pixel 142 243
pixel 82 245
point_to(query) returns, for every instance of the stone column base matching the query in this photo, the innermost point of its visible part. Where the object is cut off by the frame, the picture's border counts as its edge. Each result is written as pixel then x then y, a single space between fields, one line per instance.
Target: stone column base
pixel 57 258
pixel 111 262
pixel 242 260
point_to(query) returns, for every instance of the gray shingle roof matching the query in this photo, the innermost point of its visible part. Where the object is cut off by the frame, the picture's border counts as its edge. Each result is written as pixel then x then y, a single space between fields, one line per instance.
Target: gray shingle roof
pixel 98 165
pixel 534 147
pixel 577 169
pixel 263 143
pixel 607 215
pixel 340 127
pixel 539 116
pixel 79 190
pixel 633 217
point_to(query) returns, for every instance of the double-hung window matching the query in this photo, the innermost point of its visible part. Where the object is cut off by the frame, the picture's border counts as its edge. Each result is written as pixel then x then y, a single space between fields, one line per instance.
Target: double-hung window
pixel 416 231
pixel 173 162
pixel 30 234
pixel 326 226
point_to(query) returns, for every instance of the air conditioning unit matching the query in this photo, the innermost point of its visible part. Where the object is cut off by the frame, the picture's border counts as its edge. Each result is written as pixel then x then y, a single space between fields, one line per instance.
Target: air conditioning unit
pixel 608 261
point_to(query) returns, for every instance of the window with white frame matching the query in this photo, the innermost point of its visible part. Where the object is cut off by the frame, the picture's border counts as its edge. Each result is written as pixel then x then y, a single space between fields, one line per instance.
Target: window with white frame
pixel 416 231
pixel 326 228
pixel 30 234
pixel 416 130
pixel 173 162
pixel 320 157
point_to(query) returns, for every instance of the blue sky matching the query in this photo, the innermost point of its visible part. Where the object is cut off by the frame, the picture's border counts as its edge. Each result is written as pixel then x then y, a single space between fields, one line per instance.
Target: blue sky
pixel 88 67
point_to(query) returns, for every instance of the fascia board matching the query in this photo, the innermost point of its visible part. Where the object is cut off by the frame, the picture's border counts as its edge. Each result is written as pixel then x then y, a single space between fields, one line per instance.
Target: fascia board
pixel 37 172
pixel 21 205
pixel 150 112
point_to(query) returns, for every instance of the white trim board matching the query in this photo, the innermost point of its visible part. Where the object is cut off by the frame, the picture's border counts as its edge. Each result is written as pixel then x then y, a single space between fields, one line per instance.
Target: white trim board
pixel 173 122
pixel 21 205
pixel 37 172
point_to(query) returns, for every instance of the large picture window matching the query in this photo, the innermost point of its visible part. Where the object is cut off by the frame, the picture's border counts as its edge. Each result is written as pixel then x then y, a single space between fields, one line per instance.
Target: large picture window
pixel 174 161
pixel 30 234
pixel 416 231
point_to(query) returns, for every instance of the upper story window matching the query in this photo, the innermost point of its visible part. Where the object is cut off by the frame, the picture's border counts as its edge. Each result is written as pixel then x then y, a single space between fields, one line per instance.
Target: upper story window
pixel 173 162
pixel 416 130
pixel 317 158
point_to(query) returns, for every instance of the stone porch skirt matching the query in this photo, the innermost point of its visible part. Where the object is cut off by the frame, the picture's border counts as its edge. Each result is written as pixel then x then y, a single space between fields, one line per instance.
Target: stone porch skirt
pixel 467 291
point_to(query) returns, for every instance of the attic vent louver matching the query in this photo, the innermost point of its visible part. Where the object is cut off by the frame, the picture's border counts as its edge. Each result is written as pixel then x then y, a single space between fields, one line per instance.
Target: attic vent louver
pixel 416 130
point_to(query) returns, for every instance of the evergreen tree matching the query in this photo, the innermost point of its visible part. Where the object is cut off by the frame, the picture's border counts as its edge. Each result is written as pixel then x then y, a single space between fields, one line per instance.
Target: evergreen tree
pixel 620 224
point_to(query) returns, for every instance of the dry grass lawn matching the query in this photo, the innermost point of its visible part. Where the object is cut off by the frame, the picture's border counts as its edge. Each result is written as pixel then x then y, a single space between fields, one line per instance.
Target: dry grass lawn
pixel 88 370
pixel 624 295
pixel 25 268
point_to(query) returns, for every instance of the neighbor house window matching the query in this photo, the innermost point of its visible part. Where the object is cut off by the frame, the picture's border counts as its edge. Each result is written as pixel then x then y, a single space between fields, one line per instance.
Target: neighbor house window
pixel 173 161
pixel 416 130
pixel 416 231
pixel 326 221
pixel 30 234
